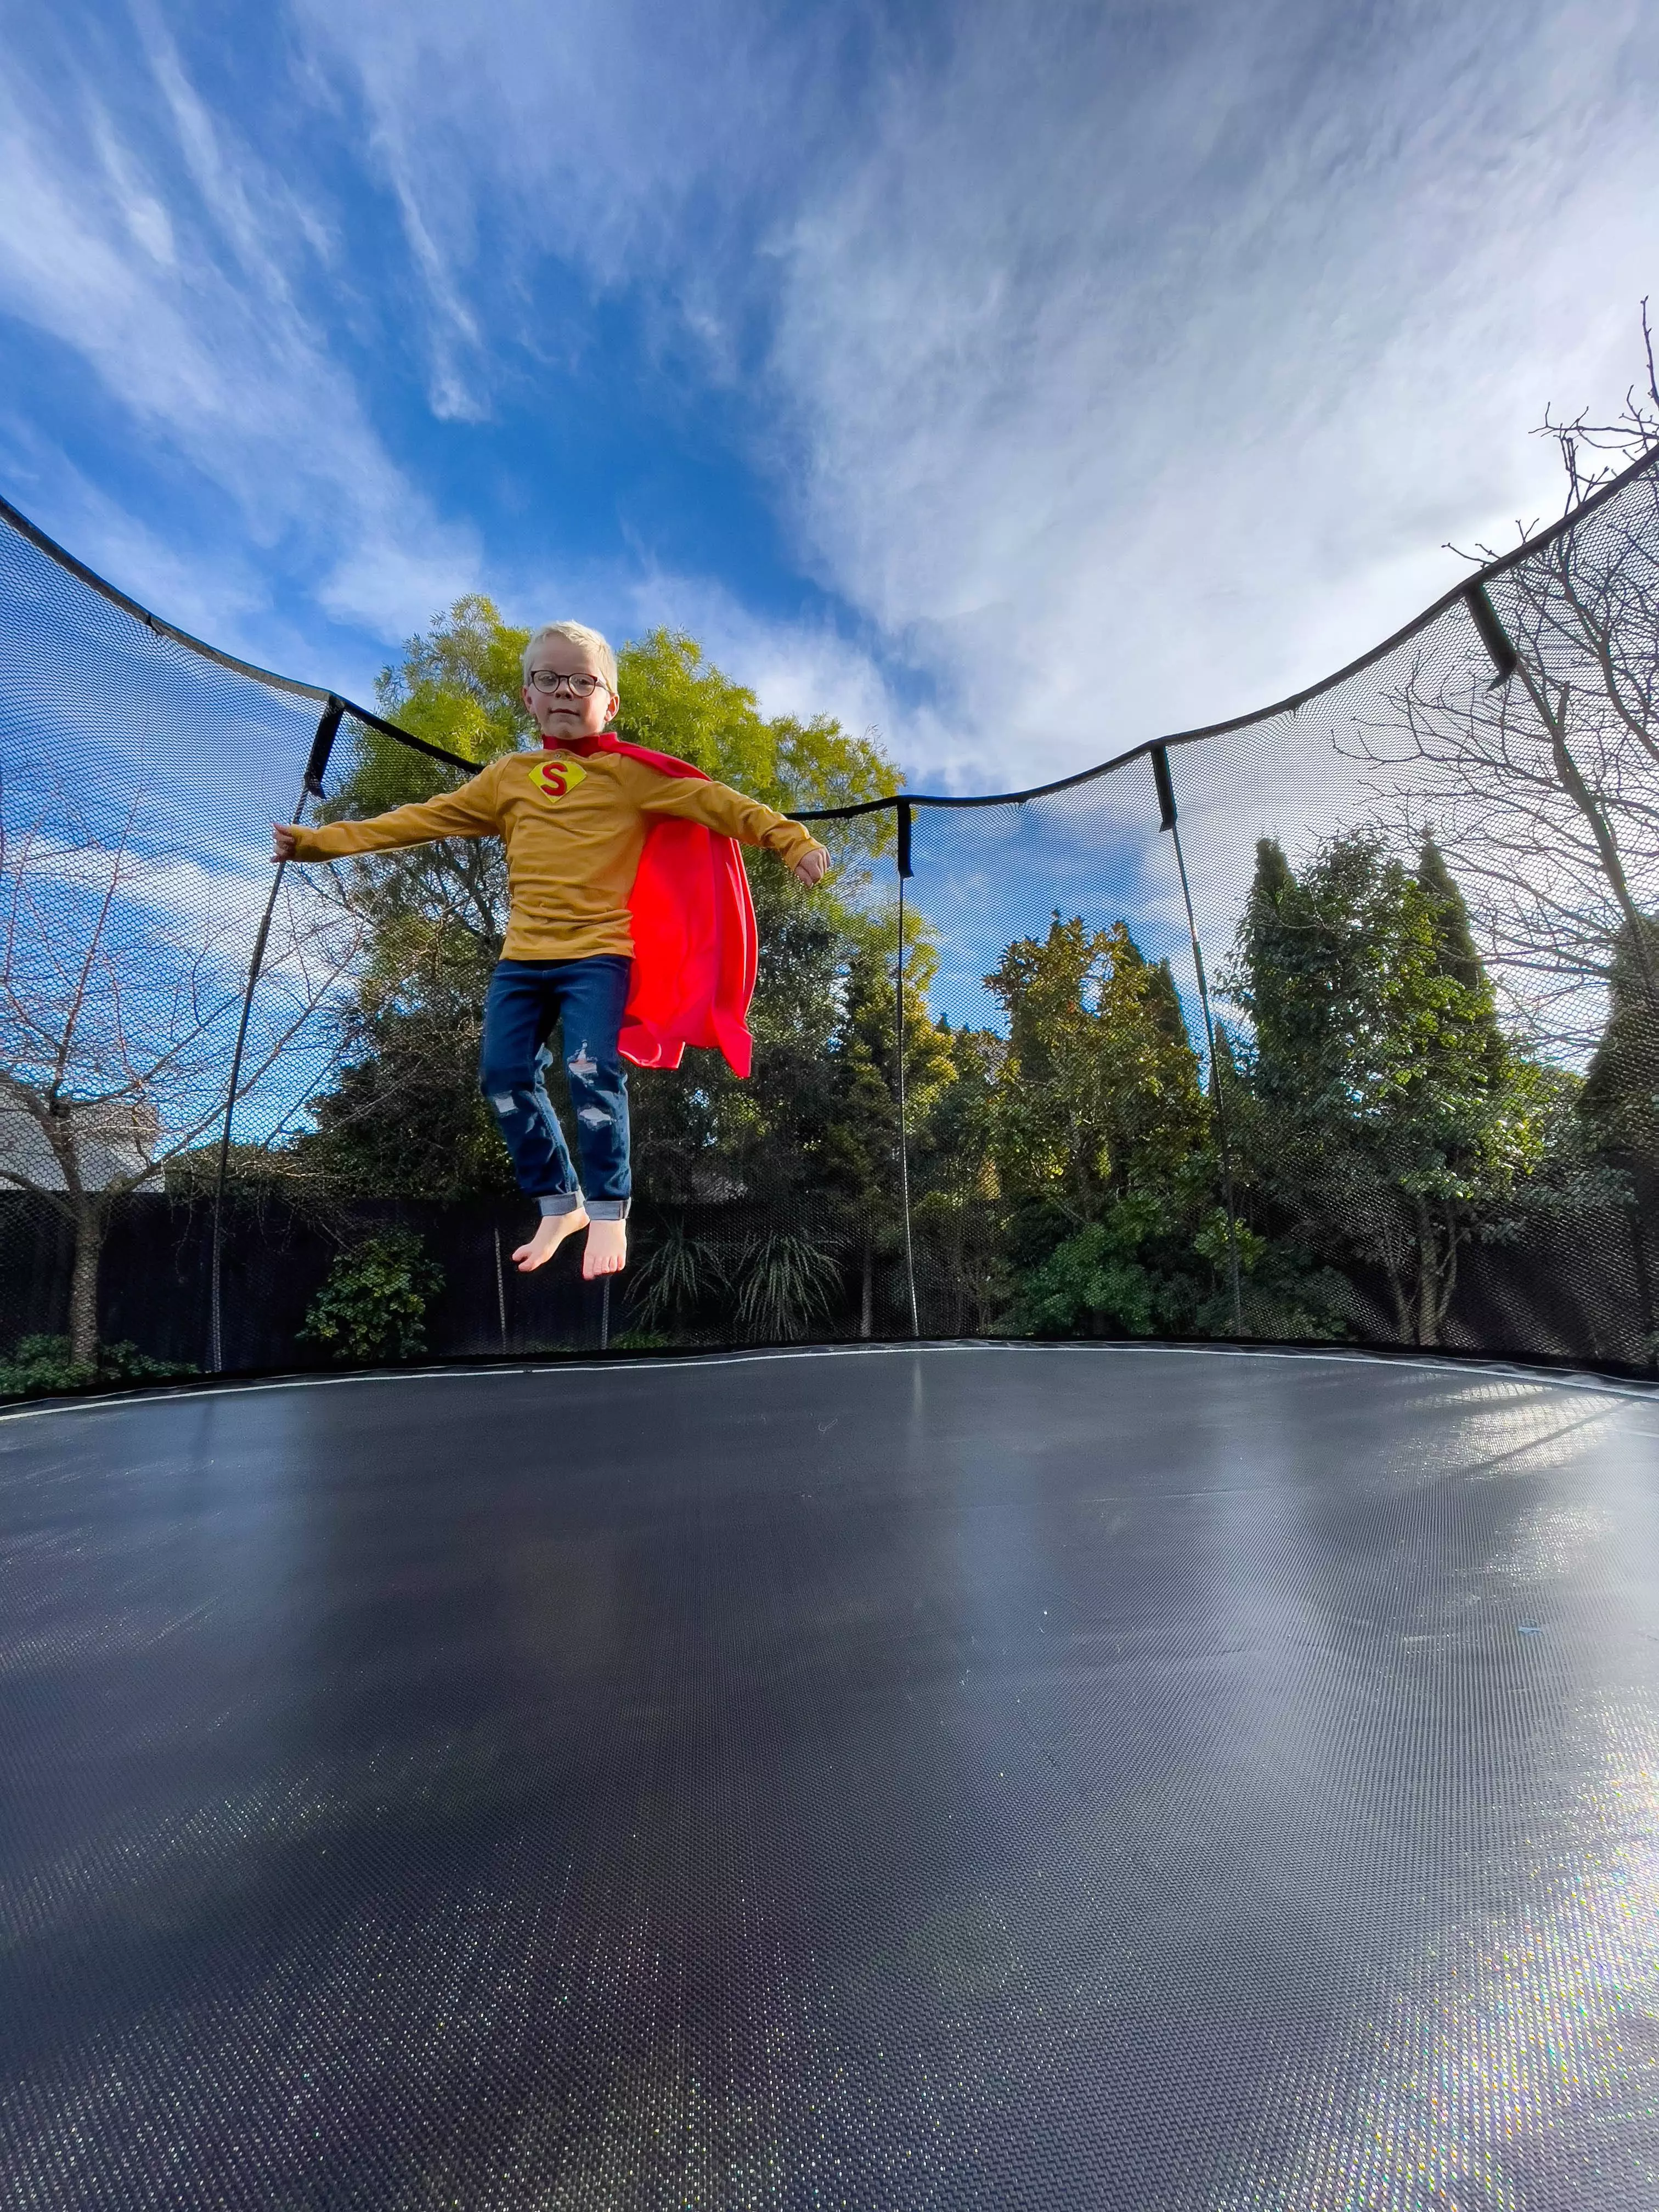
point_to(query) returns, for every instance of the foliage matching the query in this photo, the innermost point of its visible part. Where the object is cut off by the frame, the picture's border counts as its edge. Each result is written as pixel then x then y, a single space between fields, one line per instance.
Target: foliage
pixel 1619 1101
pixel 785 1282
pixel 373 1304
pixel 957 1189
pixel 1100 1086
pixel 40 1366
pixel 1285 1295
pixel 1382 1109
pixel 675 1275
pixel 403 1117
pixel 1103 1280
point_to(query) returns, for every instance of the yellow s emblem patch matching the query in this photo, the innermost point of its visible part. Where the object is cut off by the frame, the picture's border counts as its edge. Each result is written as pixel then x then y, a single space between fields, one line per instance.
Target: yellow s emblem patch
pixel 557 775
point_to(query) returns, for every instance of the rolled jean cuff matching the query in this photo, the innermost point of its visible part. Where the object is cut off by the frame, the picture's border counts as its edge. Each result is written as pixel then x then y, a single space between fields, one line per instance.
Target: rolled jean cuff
pixel 561 1201
pixel 608 1209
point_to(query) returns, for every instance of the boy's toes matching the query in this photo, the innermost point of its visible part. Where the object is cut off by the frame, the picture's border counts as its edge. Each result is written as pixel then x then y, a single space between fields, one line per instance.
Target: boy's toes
pixel 552 1232
pixel 606 1252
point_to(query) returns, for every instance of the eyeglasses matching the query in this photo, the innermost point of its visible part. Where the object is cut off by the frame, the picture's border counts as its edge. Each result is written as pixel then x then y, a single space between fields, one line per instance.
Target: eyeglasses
pixel 581 687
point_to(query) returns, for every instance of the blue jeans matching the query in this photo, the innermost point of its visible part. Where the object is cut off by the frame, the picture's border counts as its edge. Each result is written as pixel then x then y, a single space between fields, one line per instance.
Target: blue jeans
pixel 527 998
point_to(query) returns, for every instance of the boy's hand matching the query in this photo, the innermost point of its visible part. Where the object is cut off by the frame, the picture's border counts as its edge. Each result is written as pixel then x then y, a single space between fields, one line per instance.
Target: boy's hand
pixel 283 840
pixel 811 866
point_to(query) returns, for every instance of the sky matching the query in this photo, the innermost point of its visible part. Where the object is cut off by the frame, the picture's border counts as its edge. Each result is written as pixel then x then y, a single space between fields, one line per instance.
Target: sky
pixel 1016 383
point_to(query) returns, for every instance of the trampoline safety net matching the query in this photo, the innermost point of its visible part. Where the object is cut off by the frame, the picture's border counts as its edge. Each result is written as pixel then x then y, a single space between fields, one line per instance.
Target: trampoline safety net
pixel 1337 1024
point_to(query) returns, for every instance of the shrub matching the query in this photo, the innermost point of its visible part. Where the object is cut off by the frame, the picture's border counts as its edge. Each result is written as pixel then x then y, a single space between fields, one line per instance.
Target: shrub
pixel 675 1275
pixel 785 1283
pixel 40 1366
pixel 372 1307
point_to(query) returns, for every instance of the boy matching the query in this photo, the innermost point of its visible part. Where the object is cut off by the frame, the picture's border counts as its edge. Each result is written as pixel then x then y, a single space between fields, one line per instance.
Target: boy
pixel 575 819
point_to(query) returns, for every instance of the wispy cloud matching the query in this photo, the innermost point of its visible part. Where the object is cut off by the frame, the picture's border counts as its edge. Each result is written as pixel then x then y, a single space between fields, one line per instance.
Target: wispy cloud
pixel 1114 372
pixel 169 260
pixel 1104 371
pixel 1142 376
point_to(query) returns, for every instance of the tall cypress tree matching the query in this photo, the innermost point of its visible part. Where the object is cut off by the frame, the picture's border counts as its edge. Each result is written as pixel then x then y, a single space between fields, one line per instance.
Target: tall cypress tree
pixel 1619 1101
pixel 1389 1115
pixel 1458 955
pixel 1618 1104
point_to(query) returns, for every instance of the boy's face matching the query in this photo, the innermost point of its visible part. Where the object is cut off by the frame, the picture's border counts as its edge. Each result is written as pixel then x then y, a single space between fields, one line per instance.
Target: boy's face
pixel 559 711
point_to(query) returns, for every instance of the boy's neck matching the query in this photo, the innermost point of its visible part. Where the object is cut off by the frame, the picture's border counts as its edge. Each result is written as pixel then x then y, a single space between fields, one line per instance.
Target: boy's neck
pixel 583 744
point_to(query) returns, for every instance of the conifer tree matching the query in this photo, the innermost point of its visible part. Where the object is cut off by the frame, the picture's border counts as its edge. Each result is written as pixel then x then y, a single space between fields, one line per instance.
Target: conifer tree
pixel 1391 1120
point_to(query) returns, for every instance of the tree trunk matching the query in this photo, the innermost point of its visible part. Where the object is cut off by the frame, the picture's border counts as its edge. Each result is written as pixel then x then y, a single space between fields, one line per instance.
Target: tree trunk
pixel 1589 806
pixel 867 1290
pixel 89 1225
pixel 1398 1292
pixel 1430 1306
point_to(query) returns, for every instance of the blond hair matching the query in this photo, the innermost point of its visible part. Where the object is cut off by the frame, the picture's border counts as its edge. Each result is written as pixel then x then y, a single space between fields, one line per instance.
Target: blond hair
pixel 597 648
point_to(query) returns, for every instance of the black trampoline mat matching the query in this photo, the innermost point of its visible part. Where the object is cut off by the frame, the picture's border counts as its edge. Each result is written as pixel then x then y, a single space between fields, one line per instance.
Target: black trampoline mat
pixel 965 1776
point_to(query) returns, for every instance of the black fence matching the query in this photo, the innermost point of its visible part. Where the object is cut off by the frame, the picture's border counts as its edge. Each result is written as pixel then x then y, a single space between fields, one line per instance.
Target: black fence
pixel 1338 1023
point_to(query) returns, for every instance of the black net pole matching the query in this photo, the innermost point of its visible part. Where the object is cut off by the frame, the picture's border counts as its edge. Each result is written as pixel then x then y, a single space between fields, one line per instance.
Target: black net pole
pixel 311 787
pixel 1167 820
pixel 904 873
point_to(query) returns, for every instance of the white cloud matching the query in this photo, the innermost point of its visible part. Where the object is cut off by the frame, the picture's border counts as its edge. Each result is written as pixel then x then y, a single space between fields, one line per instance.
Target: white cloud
pixel 1164 376
pixel 624 141
pixel 200 338
pixel 1124 371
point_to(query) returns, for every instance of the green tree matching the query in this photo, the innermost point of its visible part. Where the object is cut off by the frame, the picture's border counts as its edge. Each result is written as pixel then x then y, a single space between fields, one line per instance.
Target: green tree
pixel 1100 1086
pixel 1100 1133
pixel 854 1153
pixel 1619 1107
pixel 1620 1098
pixel 1389 1116
pixel 957 1200
pixel 675 701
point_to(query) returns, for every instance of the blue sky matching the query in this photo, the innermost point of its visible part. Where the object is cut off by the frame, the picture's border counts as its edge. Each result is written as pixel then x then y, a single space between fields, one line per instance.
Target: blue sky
pixel 1015 381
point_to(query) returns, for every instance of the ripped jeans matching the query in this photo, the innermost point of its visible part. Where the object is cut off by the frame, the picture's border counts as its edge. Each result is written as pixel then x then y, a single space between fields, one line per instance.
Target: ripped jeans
pixel 527 998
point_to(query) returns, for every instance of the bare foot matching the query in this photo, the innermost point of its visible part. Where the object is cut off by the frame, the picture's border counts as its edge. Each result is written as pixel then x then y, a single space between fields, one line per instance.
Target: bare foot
pixel 552 1233
pixel 607 1249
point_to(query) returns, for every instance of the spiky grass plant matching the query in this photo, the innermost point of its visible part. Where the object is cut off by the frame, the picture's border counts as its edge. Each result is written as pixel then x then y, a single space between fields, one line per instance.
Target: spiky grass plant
pixel 675 1274
pixel 785 1282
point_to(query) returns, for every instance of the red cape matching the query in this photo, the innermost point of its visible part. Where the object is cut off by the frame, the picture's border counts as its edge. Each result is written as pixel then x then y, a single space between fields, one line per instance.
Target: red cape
pixel 695 947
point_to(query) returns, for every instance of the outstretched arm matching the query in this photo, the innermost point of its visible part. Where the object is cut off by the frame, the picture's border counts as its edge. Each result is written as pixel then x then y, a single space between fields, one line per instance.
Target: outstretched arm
pixel 729 814
pixel 468 812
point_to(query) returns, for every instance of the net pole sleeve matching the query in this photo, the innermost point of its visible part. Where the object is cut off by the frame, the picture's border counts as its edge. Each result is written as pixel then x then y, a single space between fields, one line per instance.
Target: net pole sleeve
pixel 904 871
pixel 1169 819
pixel 322 744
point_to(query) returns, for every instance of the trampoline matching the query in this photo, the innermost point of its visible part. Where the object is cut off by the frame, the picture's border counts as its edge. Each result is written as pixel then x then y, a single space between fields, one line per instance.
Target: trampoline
pixel 955 1776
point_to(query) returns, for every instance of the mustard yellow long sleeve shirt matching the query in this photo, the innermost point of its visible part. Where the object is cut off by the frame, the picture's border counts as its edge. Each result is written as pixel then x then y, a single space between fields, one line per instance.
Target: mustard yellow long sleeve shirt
pixel 573 827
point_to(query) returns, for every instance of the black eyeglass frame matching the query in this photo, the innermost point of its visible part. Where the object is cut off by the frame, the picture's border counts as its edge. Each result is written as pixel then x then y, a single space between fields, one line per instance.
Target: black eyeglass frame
pixel 548 680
